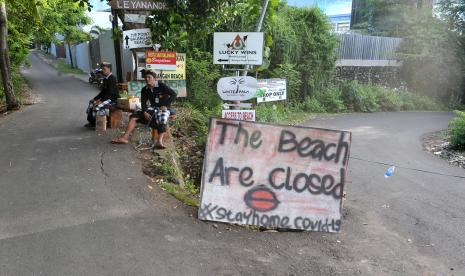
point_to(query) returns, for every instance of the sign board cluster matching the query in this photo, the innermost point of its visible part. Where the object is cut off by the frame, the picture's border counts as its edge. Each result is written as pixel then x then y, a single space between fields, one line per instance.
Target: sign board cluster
pixel 242 48
pixel 274 176
pixel 175 79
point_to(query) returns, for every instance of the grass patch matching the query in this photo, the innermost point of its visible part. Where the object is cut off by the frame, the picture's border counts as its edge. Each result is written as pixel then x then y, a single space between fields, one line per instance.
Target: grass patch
pixel 66 68
pixel 183 194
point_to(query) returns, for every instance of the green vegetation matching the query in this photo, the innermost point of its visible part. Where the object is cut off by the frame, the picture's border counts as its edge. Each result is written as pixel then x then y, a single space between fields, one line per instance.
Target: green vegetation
pixel 182 193
pixel 457 131
pixel 66 68
pixel 37 21
pixel 432 49
pixel 18 82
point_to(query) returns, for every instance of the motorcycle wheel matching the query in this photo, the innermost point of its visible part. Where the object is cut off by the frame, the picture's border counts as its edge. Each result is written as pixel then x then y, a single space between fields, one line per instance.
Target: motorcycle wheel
pixel 91 80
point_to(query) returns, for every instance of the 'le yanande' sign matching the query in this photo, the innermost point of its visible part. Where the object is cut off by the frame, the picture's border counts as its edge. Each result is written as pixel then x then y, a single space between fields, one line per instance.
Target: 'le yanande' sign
pixel 274 176
pixel 139 5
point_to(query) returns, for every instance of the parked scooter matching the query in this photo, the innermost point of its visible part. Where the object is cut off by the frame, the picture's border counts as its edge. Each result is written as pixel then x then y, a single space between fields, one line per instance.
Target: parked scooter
pixel 96 76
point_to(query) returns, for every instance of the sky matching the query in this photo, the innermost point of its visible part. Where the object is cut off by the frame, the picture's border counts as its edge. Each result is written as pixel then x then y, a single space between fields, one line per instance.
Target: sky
pixel 98 17
pixel 330 7
pixel 99 5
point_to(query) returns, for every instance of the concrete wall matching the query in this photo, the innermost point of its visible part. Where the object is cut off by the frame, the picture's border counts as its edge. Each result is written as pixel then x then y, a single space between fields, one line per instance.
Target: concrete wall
pixel 82 56
pixel 107 49
pixel 107 54
pixel 53 50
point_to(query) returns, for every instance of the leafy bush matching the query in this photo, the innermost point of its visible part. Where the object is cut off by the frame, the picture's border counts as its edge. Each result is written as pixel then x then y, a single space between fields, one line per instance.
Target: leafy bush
pixel 302 37
pixel 202 76
pixel 457 131
pixel 350 94
pixel 312 105
pixel 387 99
pixel 280 113
pixel 293 80
pixel 370 98
pixel 330 100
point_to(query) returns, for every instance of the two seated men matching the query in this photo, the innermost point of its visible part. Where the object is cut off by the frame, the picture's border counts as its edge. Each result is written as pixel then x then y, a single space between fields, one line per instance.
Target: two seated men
pixel 160 97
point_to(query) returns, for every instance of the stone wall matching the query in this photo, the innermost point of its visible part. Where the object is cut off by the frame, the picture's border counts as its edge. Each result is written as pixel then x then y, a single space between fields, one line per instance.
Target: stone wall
pixel 386 76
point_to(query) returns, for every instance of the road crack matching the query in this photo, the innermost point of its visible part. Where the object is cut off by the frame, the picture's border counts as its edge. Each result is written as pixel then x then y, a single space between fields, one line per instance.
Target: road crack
pixel 102 167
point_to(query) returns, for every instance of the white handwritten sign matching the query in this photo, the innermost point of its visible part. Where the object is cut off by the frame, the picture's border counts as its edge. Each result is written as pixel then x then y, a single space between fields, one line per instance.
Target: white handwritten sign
pixel 274 176
pixel 237 88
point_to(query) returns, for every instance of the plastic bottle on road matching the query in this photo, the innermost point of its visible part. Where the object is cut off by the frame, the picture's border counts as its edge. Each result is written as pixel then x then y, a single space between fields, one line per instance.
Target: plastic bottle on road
pixel 390 171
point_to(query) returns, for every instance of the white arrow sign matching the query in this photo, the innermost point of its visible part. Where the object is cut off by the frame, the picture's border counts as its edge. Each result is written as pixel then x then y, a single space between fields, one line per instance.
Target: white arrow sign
pixel 237 88
pixel 137 38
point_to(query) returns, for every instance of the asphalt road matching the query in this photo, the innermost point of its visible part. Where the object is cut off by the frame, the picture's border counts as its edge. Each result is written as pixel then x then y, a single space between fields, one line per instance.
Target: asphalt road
pixel 72 204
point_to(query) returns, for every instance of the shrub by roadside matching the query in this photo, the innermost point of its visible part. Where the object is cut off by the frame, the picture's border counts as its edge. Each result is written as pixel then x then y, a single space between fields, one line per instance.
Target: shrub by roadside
pixel 20 88
pixel 457 131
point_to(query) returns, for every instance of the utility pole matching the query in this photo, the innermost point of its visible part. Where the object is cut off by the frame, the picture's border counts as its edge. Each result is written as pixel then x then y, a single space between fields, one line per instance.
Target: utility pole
pixel 258 27
pixel 117 45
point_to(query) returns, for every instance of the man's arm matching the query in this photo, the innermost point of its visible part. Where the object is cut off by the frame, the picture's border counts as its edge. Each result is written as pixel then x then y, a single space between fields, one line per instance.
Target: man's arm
pixel 168 91
pixel 113 86
pixel 99 95
pixel 143 99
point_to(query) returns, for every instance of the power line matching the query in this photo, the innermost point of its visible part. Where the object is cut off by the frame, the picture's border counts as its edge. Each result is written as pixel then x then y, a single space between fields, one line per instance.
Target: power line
pixel 407 168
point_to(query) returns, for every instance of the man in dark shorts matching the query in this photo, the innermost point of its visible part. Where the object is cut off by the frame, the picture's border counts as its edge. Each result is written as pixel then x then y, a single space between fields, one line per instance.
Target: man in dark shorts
pixel 160 97
pixel 109 92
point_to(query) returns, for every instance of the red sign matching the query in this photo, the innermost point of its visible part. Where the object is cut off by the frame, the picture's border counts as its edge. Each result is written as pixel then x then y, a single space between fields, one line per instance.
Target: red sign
pixel 161 60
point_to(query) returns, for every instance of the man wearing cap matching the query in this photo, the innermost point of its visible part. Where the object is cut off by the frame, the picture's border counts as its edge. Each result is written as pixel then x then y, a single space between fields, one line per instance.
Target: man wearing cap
pixel 109 92
pixel 160 97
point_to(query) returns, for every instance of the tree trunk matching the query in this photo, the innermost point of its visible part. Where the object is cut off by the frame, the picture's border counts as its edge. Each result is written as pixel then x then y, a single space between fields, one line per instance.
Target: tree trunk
pixel 70 55
pixel 5 68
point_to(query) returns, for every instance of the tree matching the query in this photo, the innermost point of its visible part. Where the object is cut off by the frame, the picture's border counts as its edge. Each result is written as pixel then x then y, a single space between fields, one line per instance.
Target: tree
pixel 5 64
pixel 303 43
pixel 62 17
pixel 453 12
pixel 431 65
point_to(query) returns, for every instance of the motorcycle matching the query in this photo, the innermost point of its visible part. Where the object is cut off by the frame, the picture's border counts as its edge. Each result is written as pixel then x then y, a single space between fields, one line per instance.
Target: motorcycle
pixel 96 75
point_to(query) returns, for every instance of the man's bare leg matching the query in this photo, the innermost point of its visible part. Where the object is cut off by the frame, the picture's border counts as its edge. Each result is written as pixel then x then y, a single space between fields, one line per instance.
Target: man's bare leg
pixel 129 129
pixel 160 144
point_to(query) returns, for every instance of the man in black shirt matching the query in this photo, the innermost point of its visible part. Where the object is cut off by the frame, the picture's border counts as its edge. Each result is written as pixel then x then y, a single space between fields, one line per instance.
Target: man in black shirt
pixel 109 92
pixel 160 97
